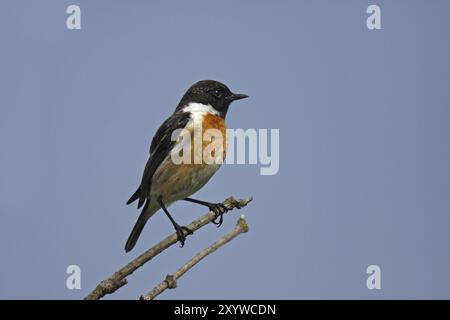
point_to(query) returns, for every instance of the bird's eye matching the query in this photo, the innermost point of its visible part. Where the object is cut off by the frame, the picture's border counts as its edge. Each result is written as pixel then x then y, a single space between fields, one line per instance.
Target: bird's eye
pixel 218 93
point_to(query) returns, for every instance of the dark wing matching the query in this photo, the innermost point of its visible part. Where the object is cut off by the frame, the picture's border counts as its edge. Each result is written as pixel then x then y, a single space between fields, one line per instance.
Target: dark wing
pixel 159 149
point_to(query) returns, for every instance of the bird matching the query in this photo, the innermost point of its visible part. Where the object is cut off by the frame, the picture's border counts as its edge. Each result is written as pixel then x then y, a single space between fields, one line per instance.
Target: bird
pixel 204 106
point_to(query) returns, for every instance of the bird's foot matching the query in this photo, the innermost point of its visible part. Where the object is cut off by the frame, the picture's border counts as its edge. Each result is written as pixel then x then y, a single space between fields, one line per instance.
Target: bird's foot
pixel 180 233
pixel 219 209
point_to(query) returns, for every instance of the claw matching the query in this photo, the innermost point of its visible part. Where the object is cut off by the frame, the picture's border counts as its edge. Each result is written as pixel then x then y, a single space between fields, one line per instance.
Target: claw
pixel 181 237
pixel 219 209
pixel 220 217
pixel 180 233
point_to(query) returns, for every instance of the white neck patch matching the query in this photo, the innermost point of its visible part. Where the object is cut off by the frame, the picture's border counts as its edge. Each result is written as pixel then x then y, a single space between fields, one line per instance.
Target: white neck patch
pixel 198 110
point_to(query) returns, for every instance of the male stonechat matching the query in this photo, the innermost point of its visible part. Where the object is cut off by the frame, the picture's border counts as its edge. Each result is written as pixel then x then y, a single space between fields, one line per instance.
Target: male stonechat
pixel 204 106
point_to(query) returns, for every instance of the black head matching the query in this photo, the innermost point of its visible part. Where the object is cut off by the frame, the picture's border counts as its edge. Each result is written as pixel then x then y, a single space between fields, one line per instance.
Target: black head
pixel 213 93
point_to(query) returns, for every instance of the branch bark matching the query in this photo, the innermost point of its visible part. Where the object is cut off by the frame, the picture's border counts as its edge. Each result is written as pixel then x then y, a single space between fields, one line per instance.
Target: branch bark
pixel 118 279
pixel 170 282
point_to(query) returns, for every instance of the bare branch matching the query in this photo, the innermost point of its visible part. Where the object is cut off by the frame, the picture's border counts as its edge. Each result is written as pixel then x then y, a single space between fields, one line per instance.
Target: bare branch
pixel 118 279
pixel 171 280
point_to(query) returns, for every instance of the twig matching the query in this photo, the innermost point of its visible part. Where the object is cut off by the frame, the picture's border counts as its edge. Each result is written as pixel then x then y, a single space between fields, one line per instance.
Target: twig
pixel 118 279
pixel 171 280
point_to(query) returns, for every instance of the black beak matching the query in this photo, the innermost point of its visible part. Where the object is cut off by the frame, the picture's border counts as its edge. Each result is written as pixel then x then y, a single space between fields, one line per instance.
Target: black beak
pixel 237 96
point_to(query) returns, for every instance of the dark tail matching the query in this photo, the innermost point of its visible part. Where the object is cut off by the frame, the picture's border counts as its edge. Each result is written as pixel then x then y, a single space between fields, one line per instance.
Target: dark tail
pixel 137 229
pixel 135 196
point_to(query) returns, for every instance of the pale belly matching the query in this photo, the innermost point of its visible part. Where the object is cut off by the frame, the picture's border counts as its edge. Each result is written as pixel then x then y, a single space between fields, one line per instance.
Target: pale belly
pixel 174 182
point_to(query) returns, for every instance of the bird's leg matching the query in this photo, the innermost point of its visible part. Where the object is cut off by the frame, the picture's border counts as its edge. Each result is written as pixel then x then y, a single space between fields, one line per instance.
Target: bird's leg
pixel 179 229
pixel 218 208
